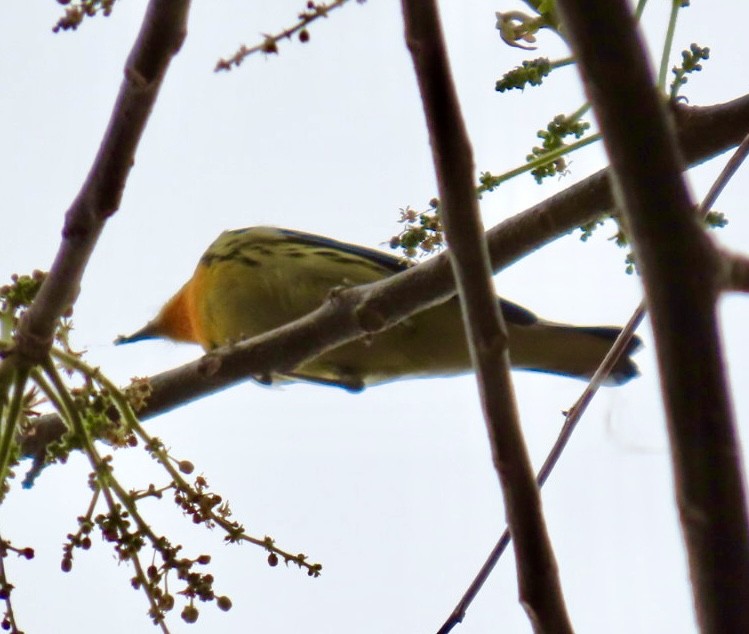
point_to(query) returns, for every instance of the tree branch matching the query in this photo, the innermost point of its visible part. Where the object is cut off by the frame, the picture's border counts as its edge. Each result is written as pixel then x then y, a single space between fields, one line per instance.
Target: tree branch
pixel 163 30
pixel 577 410
pixel 737 273
pixel 705 132
pixel 538 578
pixel 681 271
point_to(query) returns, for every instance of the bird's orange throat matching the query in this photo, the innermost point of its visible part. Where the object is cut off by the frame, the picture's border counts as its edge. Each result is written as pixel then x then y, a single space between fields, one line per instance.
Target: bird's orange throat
pixel 178 319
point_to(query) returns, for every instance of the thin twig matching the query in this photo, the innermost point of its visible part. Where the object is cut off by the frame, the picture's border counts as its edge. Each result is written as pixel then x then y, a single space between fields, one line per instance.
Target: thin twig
pixel 270 42
pixel 726 174
pixel 7 589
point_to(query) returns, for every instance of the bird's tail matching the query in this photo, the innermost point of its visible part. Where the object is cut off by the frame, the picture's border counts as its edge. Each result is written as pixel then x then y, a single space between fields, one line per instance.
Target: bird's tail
pixel 571 350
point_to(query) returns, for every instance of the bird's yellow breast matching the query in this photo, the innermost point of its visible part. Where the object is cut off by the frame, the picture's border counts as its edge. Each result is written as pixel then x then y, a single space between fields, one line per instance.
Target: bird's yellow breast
pixel 249 282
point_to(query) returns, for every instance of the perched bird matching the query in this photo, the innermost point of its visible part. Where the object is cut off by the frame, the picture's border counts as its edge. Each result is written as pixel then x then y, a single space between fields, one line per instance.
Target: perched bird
pixel 252 280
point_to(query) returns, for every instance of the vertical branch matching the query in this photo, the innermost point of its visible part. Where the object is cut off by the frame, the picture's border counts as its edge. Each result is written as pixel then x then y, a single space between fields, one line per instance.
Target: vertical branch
pixel 681 271
pixel 540 590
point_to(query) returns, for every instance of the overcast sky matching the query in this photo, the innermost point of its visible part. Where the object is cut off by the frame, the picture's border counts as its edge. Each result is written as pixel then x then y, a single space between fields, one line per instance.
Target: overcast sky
pixel 392 490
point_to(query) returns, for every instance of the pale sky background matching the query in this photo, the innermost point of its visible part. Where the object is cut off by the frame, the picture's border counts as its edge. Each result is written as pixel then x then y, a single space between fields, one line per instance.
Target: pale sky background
pixel 392 490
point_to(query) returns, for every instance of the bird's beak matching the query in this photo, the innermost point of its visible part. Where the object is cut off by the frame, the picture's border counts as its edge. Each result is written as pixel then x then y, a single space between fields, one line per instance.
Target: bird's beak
pixel 149 331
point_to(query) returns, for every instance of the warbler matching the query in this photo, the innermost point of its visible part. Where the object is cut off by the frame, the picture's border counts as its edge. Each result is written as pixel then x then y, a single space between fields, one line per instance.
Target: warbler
pixel 252 280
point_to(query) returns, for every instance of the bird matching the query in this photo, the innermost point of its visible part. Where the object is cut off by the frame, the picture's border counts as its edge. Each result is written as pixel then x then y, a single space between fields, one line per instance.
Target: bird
pixel 250 281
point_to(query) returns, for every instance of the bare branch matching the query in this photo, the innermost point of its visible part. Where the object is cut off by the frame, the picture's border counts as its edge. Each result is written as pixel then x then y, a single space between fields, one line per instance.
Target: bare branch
pixel 726 174
pixel 269 45
pixel 736 265
pixel 570 424
pixel 163 30
pixel 578 409
pixel 538 576
pixel 737 272
pixel 705 131
pixel 681 274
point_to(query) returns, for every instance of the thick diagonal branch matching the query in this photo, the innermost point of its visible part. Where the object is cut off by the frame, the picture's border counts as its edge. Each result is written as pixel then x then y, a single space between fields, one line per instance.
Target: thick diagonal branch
pixel 704 132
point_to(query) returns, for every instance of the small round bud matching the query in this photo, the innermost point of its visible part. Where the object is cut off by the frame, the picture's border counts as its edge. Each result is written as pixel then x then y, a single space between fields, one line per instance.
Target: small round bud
pixel 223 603
pixel 186 467
pixel 166 602
pixel 269 46
pixel 272 560
pixel 190 614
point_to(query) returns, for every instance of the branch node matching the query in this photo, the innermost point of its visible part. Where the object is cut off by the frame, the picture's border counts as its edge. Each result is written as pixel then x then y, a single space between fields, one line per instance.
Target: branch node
pixel 209 365
pixel 136 78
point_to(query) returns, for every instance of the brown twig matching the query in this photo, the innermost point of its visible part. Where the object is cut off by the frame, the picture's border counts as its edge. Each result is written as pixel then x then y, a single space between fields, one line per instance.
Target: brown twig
pixel 270 42
pixel 538 578
pixel 8 622
pixel 681 274
pixel 726 174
